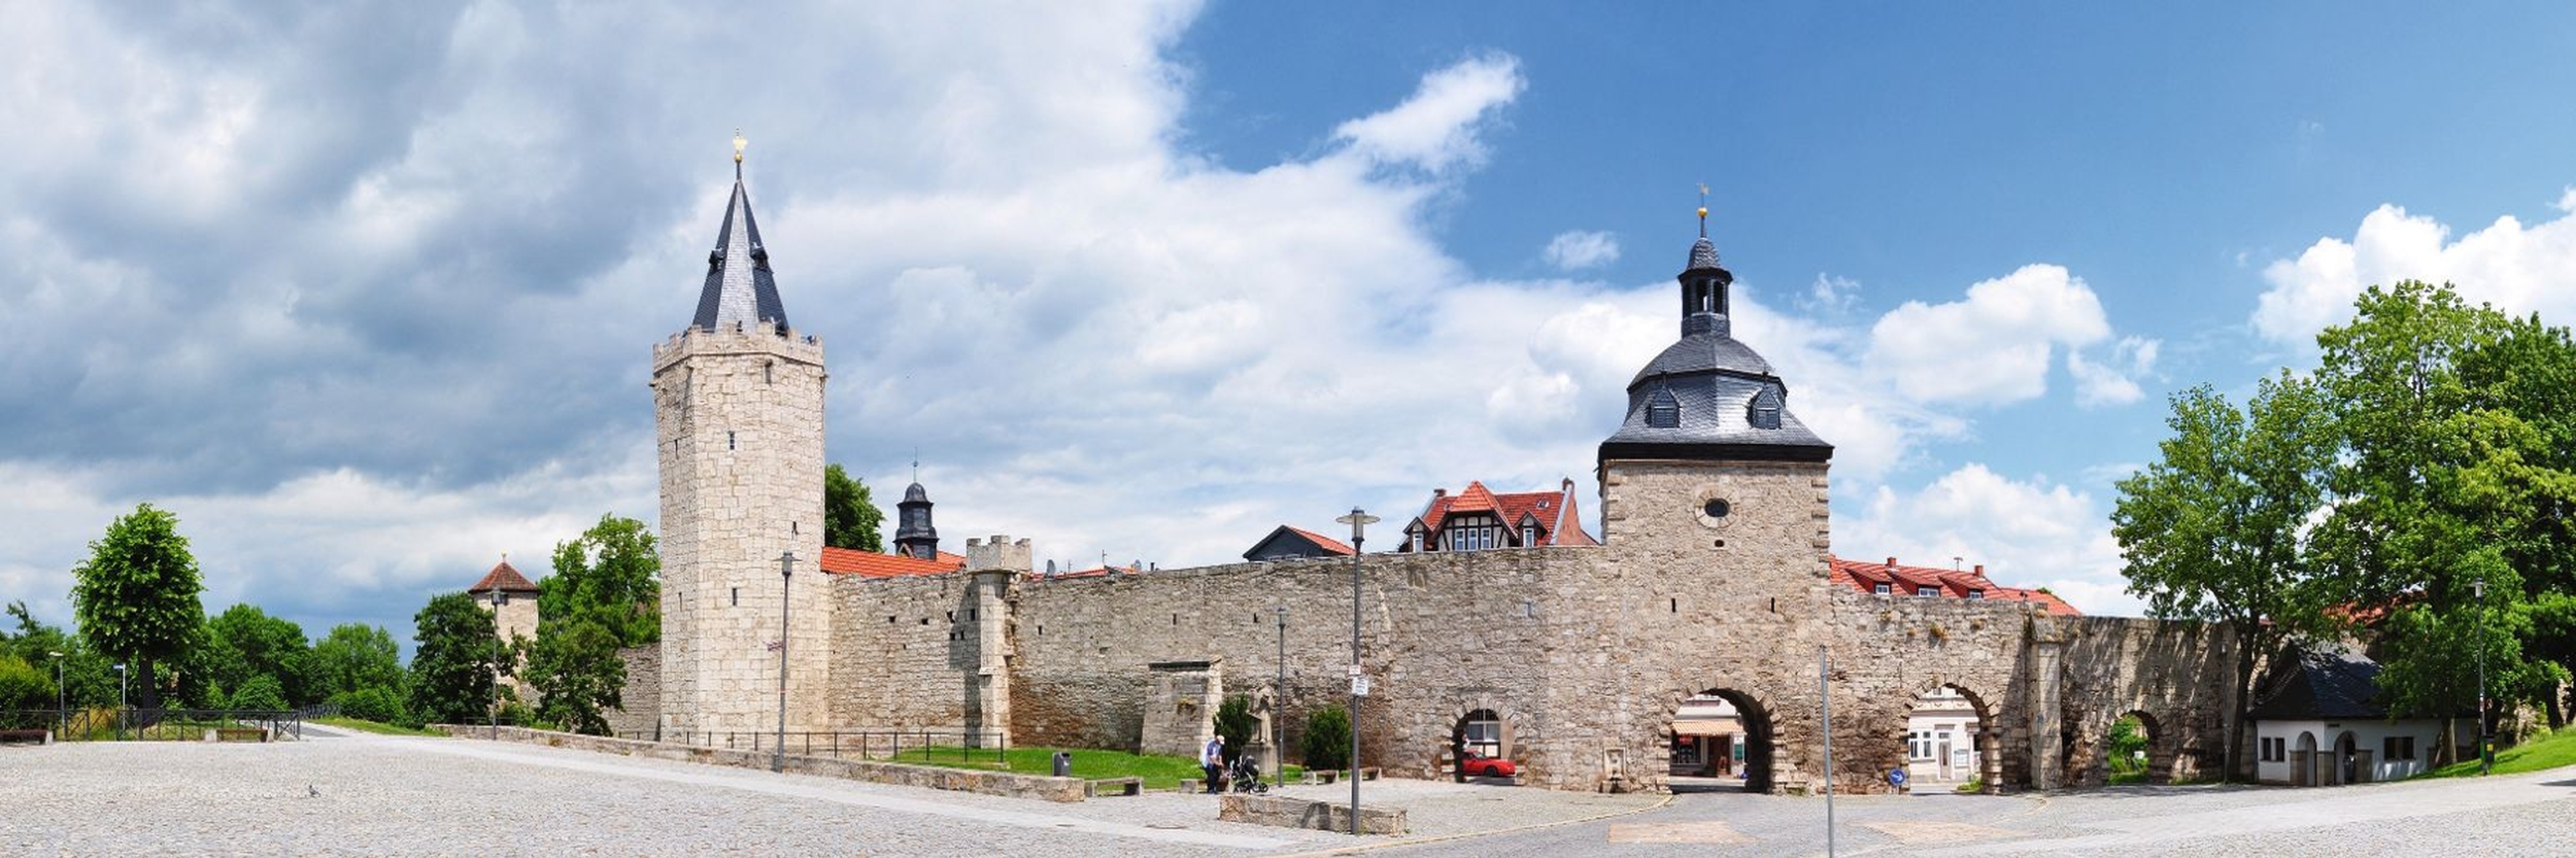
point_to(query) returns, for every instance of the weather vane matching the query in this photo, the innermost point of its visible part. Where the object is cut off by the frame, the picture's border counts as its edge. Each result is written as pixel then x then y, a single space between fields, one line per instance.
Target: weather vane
pixel 1703 208
pixel 738 143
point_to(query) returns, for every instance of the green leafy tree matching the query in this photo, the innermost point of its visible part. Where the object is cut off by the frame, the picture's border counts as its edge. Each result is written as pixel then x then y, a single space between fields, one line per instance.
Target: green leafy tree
pixel 1234 721
pixel 136 595
pixel 2128 742
pixel 1327 743
pixel 2213 529
pixel 577 674
pixel 261 692
pixel 610 576
pixel 850 519
pixel 456 649
pixel 2441 486
pixel 246 643
pixel 356 657
pixel 380 704
pixel 24 688
pixel 2530 371
pixel 89 679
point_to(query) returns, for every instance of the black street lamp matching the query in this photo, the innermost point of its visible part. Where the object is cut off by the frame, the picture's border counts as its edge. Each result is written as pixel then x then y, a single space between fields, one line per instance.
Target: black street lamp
pixel 786 570
pixel 2479 587
pixel 62 711
pixel 1279 705
pixel 494 714
pixel 1359 520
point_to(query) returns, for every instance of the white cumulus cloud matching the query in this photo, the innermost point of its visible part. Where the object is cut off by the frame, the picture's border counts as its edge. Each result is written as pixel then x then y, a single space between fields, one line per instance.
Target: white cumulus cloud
pixel 1992 346
pixel 1436 128
pixel 2522 269
pixel 1575 250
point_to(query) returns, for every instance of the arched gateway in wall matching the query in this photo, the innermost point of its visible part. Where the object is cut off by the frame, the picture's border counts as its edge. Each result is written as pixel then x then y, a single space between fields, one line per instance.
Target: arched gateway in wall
pixel 1574 662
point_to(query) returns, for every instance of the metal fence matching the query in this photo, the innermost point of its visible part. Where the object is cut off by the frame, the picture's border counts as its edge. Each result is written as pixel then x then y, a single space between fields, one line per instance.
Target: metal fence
pixel 898 745
pixel 187 725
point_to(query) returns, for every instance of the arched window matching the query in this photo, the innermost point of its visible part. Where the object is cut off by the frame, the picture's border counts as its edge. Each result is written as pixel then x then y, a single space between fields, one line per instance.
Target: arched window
pixel 1663 411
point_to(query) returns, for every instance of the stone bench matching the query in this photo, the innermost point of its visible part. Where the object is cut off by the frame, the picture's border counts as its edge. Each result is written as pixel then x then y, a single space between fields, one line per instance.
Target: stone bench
pixel 1113 786
pixel 1287 812
pixel 237 734
pixel 41 737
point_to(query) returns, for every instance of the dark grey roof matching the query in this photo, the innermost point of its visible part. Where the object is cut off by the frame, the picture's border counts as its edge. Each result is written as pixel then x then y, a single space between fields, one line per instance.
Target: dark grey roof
pixel 739 289
pixel 1703 254
pixel 1704 352
pixel 915 494
pixel 2324 684
pixel 1713 380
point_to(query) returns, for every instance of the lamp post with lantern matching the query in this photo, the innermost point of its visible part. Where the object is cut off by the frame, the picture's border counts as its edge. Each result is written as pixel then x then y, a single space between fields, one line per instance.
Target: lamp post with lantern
pixel 786 571
pixel 1359 520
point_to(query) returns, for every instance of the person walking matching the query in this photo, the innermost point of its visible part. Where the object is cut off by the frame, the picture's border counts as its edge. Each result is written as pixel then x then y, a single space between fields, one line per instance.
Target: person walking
pixel 1212 758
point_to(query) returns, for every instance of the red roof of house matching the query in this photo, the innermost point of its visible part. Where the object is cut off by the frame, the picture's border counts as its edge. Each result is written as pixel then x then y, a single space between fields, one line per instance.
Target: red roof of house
pixel 1560 523
pixel 504 579
pixel 869 564
pixel 1865 576
pixel 1325 542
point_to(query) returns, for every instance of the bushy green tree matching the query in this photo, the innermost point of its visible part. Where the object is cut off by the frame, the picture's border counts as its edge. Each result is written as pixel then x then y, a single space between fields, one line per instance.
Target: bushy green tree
pixel 356 657
pixel 262 692
pixel 24 687
pixel 380 704
pixel 609 575
pixel 244 643
pixel 2214 529
pixel 1234 721
pixel 850 519
pixel 1327 744
pixel 136 595
pixel 89 679
pixel 576 672
pixel 455 650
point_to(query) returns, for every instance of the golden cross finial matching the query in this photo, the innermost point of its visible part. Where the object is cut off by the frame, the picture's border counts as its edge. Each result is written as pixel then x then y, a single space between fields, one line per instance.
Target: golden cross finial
pixel 738 143
pixel 1703 209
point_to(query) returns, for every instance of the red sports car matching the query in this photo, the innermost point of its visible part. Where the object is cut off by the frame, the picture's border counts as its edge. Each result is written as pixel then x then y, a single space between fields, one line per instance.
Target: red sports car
pixel 1472 763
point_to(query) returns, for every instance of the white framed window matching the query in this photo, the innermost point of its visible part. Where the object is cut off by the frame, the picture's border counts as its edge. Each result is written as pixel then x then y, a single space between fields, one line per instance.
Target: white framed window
pixel 1976 594
pixel 1880 589
pixel 1529 535
pixel 1927 591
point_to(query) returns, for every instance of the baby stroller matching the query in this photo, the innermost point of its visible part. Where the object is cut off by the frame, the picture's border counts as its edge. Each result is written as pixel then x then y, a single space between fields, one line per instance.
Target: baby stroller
pixel 1245 776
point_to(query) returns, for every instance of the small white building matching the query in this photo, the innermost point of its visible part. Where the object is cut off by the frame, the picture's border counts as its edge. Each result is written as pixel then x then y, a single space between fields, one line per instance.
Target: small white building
pixel 2321 724
pixel 1941 738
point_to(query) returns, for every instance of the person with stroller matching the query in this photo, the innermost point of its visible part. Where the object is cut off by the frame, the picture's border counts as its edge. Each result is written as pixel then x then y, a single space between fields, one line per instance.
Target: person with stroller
pixel 1212 759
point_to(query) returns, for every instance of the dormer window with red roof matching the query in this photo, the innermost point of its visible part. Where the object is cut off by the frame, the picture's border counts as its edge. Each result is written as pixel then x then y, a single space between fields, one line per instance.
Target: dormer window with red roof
pixel 1927 591
pixel 1473 533
pixel 1976 594
pixel 1881 589
pixel 1529 535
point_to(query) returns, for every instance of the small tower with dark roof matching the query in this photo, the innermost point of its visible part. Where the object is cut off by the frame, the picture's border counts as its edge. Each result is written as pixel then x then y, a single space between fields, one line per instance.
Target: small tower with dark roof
pixel 913 535
pixel 1709 471
pixel 738 407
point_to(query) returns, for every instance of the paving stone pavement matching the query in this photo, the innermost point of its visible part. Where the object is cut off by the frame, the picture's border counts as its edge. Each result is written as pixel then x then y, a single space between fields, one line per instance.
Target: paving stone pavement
pixel 351 794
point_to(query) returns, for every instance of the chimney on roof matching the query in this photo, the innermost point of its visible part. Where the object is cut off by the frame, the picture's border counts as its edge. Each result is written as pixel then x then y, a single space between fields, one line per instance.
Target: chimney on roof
pixel 1981 570
pixel 1437 494
pixel 1891 563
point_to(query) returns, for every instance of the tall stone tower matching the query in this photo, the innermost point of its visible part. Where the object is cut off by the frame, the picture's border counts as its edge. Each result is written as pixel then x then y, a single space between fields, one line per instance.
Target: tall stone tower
pixel 1710 472
pixel 738 404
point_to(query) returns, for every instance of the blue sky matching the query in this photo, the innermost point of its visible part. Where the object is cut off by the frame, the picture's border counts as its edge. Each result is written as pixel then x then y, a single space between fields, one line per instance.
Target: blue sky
pixel 365 296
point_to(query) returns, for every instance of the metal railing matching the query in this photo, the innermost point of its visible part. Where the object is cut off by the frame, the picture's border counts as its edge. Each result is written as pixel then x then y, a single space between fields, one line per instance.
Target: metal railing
pixel 922 743
pixel 94 725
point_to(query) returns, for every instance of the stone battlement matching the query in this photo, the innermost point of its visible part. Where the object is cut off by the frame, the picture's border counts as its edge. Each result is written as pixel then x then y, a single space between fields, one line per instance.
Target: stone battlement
pixel 998 552
pixel 762 339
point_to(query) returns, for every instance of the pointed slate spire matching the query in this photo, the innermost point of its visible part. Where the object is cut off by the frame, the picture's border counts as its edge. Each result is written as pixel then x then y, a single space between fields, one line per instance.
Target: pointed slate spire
pixel 739 288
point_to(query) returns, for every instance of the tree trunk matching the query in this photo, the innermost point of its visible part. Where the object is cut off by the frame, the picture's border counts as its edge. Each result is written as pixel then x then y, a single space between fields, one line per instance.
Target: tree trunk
pixel 2234 743
pixel 2449 751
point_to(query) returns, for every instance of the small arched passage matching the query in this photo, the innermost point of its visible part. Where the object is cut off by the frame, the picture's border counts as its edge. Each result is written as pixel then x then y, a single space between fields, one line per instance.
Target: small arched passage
pixel 1719 740
pixel 2303 760
pixel 2137 750
pixel 1481 732
pixel 1950 740
pixel 2345 767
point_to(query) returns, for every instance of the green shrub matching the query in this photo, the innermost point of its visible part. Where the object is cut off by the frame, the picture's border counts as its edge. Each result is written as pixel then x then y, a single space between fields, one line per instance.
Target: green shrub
pixel 1328 738
pixel 1234 721
pixel 379 704
pixel 260 692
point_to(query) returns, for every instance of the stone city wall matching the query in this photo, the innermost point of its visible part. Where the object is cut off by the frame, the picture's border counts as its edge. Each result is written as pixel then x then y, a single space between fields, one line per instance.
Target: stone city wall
pixel 640 717
pixel 902 651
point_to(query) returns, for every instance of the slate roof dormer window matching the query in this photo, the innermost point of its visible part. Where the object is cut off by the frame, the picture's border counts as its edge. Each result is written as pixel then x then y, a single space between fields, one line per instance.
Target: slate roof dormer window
pixel 1664 412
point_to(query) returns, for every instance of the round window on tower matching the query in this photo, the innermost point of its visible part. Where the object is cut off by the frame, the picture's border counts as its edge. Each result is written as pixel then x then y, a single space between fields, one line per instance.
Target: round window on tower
pixel 1712 508
pixel 1715 508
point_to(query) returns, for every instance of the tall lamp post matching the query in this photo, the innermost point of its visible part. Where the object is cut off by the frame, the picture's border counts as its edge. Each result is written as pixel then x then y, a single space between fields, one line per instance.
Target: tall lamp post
pixel 494 714
pixel 62 712
pixel 1279 705
pixel 120 701
pixel 1359 520
pixel 2479 587
pixel 786 570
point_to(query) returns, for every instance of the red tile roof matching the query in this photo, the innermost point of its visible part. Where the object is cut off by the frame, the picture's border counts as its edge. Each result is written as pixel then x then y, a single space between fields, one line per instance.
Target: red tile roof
pixel 1559 521
pixel 869 564
pixel 1325 542
pixel 1865 576
pixel 504 579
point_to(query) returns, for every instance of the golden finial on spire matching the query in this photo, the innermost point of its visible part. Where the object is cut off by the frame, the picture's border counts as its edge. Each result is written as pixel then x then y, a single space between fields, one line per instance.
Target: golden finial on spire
pixel 1703 209
pixel 738 143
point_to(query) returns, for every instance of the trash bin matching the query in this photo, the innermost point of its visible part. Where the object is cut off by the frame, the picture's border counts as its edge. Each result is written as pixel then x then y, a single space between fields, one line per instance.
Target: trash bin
pixel 1063 764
